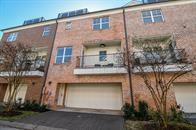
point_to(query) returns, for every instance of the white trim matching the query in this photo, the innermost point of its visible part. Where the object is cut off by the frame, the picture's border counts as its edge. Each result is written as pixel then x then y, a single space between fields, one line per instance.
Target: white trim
pixel 29 26
pixel 98 71
pixel 64 49
pixel 101 23
pixel 152 16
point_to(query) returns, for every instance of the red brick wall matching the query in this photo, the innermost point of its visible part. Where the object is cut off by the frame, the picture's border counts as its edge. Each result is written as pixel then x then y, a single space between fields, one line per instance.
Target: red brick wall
pixel 33 37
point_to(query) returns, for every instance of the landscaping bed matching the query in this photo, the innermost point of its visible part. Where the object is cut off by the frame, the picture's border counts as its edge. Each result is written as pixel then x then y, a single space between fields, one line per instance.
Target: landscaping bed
pixel 16 116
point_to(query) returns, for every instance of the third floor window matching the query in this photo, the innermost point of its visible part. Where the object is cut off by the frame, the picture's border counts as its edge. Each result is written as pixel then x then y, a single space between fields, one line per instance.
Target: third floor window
pixel 101 23
pixel 46 31
pixel 12 37
pixel 152 16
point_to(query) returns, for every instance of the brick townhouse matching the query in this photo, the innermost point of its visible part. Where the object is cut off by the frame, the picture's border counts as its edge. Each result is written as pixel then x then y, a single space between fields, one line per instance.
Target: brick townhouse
pixel 40 37
pixel 84 70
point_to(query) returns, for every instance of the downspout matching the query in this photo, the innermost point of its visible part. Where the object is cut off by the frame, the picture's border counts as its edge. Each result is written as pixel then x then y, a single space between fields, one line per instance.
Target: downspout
pixel 128 59
pixel 50 55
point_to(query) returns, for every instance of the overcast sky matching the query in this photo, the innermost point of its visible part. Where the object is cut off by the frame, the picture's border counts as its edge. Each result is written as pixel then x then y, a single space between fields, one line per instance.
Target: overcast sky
pixel 14 12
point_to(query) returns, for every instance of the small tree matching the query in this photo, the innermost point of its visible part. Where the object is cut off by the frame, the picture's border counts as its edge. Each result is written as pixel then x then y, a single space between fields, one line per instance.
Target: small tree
pixel 15 63
pixel 159 63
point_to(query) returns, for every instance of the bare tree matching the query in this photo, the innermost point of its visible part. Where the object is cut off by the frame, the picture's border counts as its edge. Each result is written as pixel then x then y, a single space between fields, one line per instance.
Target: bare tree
pixel 15 63
pixel 159 63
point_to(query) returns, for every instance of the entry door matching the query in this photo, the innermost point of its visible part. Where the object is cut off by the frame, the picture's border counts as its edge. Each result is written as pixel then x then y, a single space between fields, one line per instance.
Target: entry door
pixel 61 94
pixel 95 96
pixel 21 93
pixel 186 95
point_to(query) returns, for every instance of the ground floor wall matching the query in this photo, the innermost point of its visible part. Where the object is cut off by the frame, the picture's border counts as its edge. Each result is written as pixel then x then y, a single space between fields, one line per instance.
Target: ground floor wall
pixel 33 92
pixel 51 89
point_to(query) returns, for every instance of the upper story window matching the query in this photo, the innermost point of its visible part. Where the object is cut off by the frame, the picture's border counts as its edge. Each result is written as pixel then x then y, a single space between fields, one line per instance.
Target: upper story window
pixel 102 56
pixel 101 23
pixel 46 31
pixel 12 37
pixel 68 25
pixel 152 16
pixel 63 55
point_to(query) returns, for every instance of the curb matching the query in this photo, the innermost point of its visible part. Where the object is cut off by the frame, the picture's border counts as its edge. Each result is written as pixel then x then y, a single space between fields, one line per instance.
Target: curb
pixel 27 126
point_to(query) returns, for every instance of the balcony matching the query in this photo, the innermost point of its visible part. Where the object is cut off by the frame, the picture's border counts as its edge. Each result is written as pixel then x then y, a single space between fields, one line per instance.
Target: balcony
pixel 164 60
pixel 31 68
pixel 100 64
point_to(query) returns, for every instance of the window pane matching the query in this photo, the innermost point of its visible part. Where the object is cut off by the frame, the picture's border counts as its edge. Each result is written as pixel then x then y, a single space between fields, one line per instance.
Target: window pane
pixel 105 19
pixel 146 14
pixel 105 26
pixel 59 60
pixel 68 51
pixel 156 12
pixel 102 56
pixel 158 19
pixel 96 27
pixel 67 59
pixel 147 20
pixel 96 21
pixel 60 51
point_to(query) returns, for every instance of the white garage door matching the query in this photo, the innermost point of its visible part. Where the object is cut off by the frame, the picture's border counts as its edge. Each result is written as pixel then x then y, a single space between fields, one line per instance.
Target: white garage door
pixel 186 96
pixel 95 96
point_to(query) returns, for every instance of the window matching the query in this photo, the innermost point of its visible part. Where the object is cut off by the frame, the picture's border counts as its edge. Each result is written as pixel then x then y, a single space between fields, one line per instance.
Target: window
pixel 152 16
pixel 102 56
pixel 12 37
pixel 101 23
pixel 68 25
pixel 46 31
pixel 63 55
pixel 153 1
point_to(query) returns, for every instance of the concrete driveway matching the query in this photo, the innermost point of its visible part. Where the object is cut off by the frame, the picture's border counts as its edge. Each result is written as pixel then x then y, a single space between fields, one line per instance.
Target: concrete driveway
pixel 76 121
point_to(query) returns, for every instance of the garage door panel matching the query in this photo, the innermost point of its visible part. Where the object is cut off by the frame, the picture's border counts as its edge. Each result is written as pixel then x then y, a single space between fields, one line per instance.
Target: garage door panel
pixel 185 96
pixel 96 96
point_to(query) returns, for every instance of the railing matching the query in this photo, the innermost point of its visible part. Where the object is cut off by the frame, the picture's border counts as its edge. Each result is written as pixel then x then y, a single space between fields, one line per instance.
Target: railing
pixel 33 65
pixel 159 57
pixel 100 61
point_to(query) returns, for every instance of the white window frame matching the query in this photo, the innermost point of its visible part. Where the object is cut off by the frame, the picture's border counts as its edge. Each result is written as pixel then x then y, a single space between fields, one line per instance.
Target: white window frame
pixel 12 37
pixel 47 29
pixel 64 49
pixel 68 25
pixel 152 16
pixel 101 23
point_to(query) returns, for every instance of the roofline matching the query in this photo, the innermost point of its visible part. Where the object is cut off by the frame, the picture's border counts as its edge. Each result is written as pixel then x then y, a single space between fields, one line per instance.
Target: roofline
pixel 99 11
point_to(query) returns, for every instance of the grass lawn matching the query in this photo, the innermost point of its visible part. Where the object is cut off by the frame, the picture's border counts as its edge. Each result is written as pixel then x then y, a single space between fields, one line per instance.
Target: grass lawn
pixel 14 118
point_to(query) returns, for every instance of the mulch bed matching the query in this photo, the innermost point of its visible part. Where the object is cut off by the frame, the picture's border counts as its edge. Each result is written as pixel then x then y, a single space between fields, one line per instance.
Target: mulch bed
pixel 10 114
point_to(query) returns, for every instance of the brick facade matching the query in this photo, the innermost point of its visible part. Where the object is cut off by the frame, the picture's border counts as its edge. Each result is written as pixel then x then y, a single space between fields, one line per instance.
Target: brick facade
pixel 33 37
pixel 178 21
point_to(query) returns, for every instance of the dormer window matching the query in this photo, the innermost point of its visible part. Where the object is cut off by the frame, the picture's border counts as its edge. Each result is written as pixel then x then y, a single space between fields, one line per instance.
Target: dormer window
pixel 12 37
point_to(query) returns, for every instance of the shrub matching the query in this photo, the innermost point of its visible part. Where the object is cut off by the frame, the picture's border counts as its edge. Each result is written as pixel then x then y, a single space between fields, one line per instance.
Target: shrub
pixel 33 106
pixel 143 112
pixel 129 111
pixel 176 115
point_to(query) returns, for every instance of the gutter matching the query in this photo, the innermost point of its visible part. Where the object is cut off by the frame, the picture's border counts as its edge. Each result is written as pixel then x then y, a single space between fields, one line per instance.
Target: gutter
pixel 47 68
pixel 128 58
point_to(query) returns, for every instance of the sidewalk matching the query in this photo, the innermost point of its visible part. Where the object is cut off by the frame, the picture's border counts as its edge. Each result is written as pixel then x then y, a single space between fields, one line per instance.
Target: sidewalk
pixel 23 126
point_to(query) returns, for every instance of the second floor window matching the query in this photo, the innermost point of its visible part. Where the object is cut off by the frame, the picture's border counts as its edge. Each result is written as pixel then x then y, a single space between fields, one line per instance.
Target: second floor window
pixel 63 55
pixel 46 31
pixel 101 23
pixel 12 37
pixel 152 16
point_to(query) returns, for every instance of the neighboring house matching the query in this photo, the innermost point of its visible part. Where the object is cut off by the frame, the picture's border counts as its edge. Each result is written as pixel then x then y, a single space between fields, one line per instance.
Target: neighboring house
pixel 85 68
pixel 38 34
